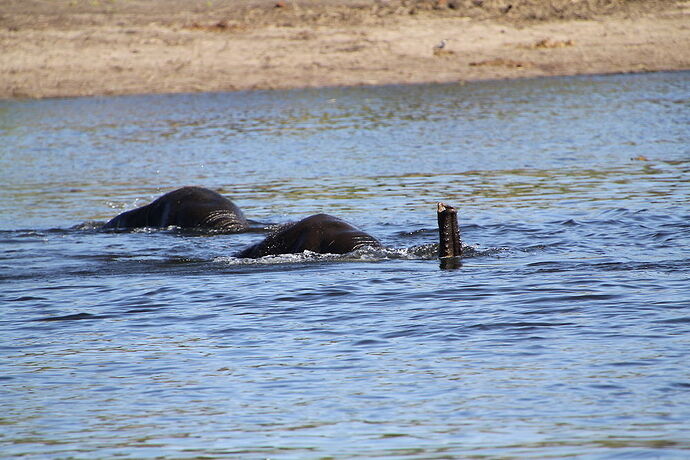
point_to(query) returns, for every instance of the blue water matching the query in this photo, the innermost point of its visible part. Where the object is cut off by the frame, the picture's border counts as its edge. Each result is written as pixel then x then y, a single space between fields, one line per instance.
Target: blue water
pixel 565 332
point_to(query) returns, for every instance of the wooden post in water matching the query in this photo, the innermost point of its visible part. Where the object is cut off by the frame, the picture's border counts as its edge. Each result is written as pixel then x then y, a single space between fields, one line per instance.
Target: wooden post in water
pixel 449 247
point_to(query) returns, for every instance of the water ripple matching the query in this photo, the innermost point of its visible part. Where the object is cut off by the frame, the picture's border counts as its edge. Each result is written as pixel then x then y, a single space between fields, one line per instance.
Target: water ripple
pixel 563 332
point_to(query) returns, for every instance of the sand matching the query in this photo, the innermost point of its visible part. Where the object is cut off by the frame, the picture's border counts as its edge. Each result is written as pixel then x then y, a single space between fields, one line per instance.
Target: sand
pixel 56 48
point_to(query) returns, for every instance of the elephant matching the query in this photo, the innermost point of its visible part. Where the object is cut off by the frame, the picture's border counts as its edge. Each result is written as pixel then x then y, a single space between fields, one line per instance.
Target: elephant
pixel 187 208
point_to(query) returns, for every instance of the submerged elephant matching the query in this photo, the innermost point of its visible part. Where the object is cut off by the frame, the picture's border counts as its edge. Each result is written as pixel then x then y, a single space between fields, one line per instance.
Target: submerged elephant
pixel 186 207
pixel 200 208
pixel 326 234
pixel 318 233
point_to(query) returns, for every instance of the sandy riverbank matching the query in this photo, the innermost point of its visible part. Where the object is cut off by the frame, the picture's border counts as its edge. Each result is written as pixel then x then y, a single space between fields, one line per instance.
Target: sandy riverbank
pixel 54 48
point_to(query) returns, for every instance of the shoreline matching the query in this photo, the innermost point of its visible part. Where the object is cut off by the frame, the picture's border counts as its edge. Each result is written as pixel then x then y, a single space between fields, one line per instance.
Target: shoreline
pixel 46 52
pixel 327 87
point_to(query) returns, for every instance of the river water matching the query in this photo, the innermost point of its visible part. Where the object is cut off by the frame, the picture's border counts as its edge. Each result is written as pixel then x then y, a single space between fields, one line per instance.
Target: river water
pixel 565 331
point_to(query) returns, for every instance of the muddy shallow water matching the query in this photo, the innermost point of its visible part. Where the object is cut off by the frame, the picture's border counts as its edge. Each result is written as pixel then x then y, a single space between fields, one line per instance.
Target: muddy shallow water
pixel 564 332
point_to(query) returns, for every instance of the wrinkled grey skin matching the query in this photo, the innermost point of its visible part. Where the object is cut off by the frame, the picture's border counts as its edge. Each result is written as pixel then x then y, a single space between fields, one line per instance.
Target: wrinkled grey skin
pixel 319 233
pixel 448 231
pixel 188 208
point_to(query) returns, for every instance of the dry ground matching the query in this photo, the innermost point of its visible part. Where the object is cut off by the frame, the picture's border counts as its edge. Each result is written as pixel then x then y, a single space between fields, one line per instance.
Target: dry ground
pixel 56 48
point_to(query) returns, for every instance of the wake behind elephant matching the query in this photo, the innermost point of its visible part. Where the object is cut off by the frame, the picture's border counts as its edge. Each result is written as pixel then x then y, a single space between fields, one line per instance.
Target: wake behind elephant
pixel 187 208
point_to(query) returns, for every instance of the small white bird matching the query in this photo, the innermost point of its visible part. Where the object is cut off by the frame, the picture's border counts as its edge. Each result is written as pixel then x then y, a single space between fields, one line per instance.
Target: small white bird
pixel 441 50
pixel 441 44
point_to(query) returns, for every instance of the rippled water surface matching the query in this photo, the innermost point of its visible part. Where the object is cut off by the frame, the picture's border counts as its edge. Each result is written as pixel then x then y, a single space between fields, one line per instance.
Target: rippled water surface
pixel 565 332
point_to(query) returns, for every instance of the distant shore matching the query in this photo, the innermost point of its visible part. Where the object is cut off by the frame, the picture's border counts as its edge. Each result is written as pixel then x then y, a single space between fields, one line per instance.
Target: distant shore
pixel 56 48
